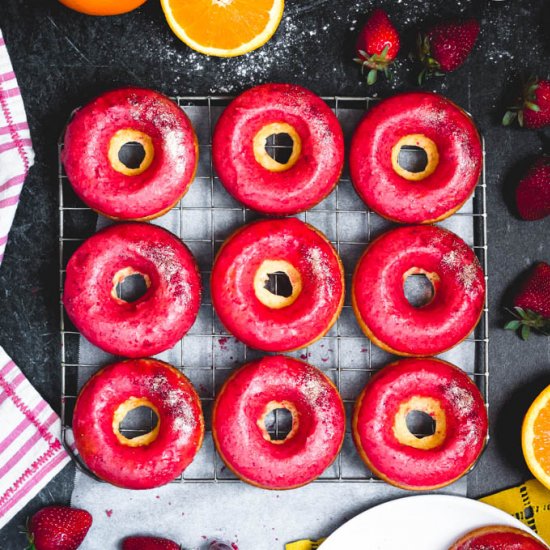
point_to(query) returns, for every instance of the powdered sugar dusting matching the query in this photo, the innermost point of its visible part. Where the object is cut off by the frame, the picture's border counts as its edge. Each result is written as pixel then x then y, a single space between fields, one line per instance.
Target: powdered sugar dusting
pixel 463 401
pixel 175 401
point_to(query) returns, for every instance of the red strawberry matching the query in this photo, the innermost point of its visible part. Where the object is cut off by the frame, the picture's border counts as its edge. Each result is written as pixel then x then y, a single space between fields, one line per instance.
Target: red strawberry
pixel 58 528
pixel 532 304
pixel 148 543
pixel 533 192
pixel 377 45
pixel 446 46
pixel 534 108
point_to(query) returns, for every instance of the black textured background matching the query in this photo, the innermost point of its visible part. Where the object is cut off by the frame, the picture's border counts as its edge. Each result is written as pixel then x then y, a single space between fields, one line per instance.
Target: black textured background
pixel 62 59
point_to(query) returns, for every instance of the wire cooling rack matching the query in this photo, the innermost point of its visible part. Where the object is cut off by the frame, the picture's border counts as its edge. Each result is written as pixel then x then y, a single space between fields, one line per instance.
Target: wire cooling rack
pixel 207 354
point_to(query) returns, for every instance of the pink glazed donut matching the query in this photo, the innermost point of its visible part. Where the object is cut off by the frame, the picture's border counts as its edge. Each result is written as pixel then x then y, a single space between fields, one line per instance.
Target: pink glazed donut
pixel 159 318
pixel 251 175
pixel 97 133
pixel 378 296
pixel 264 320
pixel 151 459
pixel 318 422
pixel 453 149
pixel 433 387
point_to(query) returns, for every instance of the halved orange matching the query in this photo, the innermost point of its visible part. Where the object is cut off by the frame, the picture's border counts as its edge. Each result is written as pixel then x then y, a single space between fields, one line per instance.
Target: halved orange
pixel 103 7
pixel 224 28
pixel 535 437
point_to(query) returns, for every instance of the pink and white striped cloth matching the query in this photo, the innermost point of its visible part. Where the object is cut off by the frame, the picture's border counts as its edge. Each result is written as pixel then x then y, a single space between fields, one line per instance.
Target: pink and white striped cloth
pixel 30 451
pixel 16 153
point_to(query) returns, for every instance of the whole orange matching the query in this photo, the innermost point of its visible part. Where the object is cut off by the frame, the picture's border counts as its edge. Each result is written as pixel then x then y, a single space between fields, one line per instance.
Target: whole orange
pixel 103 7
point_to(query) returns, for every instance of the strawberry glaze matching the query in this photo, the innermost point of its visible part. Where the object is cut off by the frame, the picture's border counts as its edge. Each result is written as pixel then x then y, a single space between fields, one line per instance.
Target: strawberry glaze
pixel 498 538
pixel 379 300
pixel 241 403
pixel 303 185
pixel 405 466
pixel 154 322
pixel 313 312
pixel 180 420
pixel 112 193
pixel 438 195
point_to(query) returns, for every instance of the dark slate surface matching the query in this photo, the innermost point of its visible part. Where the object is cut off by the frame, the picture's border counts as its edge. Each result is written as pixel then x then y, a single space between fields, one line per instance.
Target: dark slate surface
pixel 63 59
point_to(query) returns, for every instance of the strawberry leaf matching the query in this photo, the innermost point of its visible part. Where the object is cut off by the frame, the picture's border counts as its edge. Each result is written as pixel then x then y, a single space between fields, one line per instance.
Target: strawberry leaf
pixel 512 325
pixel 509 117
pixel 532 106
pixel 372 77
pixel 525 331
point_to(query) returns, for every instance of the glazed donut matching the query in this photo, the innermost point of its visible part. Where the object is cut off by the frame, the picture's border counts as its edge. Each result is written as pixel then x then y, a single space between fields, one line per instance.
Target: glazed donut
pixel 498 537
pixel 154 322
pixel 247 398
pixel 247 170
pixel 151 459
pixel 453 150
pixel 378 296
pixel 437 389
pixel 262 319
pixel 95 137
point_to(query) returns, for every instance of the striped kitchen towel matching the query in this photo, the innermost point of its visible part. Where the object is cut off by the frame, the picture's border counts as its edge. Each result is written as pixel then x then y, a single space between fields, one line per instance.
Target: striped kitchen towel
pixel 16 153
pixel 30 451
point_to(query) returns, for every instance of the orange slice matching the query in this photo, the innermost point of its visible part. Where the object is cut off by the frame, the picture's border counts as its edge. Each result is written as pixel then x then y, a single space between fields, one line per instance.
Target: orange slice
pixel 224 28
pixel 535 437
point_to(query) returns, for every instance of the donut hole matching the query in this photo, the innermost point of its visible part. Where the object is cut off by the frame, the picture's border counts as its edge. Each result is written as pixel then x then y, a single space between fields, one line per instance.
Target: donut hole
pixel 278 424
pixel 279 284
pixel 412 158
pixel 139 421
pixel 129 285
pixel 136 422
pixel 131 154
pixel 418 289
pixel 131 288
pixel 279 147
pixel 420 424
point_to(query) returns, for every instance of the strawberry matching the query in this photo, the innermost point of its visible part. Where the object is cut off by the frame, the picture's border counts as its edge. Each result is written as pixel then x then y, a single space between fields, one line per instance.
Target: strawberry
pixel 533 110
pixel 533 191
pixel 58 528
pixel 532 304
pixel 446 46
pixel 377 45
pixel 148 543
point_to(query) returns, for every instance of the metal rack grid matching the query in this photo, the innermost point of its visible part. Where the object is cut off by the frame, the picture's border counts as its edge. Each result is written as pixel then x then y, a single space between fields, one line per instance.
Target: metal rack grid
pixel 207 354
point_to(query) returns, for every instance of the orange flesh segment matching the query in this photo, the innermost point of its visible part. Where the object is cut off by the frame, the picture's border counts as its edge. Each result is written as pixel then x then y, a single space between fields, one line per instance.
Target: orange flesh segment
pixel 541 438
pixel 222 24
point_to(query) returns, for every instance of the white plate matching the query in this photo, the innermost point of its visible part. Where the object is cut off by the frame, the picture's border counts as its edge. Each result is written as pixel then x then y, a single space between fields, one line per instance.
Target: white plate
pixel 423 522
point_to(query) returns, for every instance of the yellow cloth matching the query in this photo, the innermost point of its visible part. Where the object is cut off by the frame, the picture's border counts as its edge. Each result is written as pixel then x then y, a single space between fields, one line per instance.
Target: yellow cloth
pixel 304 545
pixel 528 502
